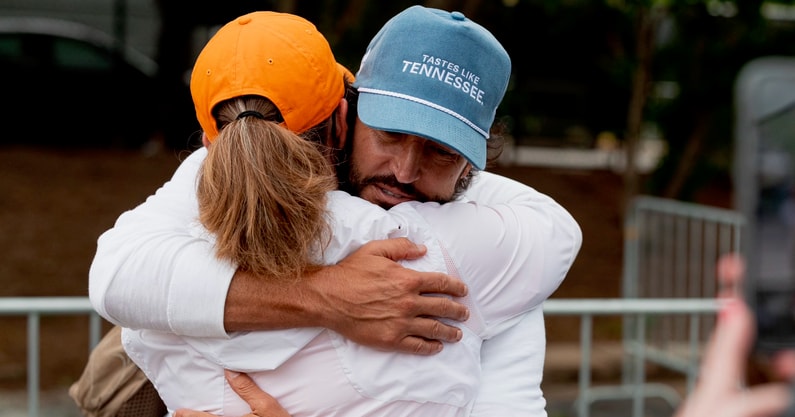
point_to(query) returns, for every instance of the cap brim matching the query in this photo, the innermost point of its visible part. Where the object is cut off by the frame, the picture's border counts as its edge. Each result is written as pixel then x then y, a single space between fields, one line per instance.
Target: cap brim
pixel 404 116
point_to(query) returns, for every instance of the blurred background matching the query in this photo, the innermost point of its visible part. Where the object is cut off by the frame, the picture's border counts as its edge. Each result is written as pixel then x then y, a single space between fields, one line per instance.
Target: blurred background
pixel 608 99
pixel 587 74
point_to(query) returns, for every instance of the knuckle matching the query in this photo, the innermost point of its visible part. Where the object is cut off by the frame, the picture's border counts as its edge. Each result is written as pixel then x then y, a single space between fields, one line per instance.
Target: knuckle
pixel 410 281
pixel 437 329
pixel 419 347
pixel 403 298
pixel 455 310
pixel 443 283
pixel 445 307
pixel 402 242
pixel 390 337
pixel 409 300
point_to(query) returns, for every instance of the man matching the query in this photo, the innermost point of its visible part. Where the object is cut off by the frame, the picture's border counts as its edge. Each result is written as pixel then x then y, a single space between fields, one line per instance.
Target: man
pixel 388 166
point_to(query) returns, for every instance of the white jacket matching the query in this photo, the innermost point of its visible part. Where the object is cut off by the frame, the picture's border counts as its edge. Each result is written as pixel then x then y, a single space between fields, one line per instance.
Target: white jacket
pixel 513 249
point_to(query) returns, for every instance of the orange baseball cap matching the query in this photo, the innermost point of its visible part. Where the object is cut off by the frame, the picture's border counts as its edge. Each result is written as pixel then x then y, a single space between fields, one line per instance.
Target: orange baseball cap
pixel 279 56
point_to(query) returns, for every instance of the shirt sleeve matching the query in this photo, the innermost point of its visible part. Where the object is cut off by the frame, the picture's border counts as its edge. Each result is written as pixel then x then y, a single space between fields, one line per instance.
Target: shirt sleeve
pixel 512 361
pixel 513 246
pixel 150 272
pixel 512 364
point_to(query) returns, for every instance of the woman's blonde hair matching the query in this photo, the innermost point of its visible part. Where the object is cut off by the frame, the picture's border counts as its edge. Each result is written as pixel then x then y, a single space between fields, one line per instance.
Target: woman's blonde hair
pixel 262 191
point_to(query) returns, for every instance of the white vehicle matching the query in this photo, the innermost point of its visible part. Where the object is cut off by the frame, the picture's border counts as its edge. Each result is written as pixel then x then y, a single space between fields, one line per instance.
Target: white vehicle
pixel 134 23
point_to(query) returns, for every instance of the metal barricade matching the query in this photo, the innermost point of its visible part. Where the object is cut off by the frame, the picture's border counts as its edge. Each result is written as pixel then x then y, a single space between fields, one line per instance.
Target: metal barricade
pixel 587 309
pixel 34 308
pixel 640 311
pixel 671 249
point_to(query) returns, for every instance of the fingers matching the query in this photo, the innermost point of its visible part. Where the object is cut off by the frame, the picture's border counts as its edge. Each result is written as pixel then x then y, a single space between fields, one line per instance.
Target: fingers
pixel 433 329
pixel 723 366
pixel 762 401
pixel 719 391
pixel 419 346
pixel 262 404
pixel 784 364
pixel 395 249
pixel 438 283
pixel 440 307
pixel 730 269
pixel 384 305
pixel 244 386
pixel 190 413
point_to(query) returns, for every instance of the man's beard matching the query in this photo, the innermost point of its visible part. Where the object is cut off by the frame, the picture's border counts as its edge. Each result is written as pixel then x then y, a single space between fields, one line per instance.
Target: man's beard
pixel 356 183
pixel 353 182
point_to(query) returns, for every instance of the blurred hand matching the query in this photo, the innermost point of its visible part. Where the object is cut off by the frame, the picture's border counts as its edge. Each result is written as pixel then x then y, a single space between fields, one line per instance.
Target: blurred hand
pixel 719 391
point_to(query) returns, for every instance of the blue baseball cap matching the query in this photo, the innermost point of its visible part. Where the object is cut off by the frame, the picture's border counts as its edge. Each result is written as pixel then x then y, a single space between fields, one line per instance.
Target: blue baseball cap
pixel 434 74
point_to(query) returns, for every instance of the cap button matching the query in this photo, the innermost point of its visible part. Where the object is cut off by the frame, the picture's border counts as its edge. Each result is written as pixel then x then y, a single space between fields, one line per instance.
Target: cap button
pixel 244 20
pixel 457 16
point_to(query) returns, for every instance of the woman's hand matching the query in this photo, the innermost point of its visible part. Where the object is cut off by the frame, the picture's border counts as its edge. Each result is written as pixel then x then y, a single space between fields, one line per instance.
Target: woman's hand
pixel 261 403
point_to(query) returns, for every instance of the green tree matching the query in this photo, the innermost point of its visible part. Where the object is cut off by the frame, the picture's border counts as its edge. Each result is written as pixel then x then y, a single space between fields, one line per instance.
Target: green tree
pixel 704 58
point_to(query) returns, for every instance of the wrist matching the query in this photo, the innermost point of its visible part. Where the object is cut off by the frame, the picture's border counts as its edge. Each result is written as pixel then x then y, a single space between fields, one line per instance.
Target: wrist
pixel 260 303
pixel 316 292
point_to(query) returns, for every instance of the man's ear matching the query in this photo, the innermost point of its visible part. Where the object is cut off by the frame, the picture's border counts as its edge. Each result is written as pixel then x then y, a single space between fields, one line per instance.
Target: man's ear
pixel 465 171
pixel 341 124
pixel 205 140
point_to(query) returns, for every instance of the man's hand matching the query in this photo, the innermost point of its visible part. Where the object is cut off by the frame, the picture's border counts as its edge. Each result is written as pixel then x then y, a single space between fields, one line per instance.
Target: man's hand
pixel 261 403
pixel 368 297
pixel 372 300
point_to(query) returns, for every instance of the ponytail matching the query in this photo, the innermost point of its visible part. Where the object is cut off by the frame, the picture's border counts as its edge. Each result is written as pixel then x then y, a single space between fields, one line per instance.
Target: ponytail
pixel 262 192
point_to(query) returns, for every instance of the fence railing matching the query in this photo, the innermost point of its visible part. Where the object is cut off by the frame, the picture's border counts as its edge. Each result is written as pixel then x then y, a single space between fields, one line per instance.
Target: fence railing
pixel 587 309
pixel 671 251
pixel 35 307
pixel 640 310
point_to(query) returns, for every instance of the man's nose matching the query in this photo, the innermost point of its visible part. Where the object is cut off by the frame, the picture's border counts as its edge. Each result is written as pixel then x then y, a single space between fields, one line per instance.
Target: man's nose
pixel 406 166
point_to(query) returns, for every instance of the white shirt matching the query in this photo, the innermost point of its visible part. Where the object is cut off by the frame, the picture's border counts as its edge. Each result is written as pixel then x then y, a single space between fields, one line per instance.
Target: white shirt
pixel 154 257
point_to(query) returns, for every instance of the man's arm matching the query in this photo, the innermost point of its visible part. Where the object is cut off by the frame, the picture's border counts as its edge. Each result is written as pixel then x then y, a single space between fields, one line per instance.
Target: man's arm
pixel 512 360
pixel 367 297
pixel 149 267
pixel 520 236
pixel 151 272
